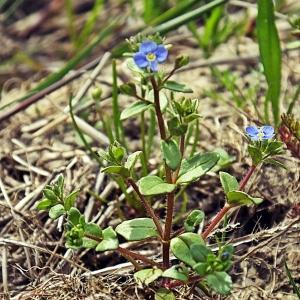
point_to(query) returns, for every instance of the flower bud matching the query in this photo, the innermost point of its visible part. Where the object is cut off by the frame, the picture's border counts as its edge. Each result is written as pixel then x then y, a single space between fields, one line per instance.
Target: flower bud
pixel 181 61
pixel 96 93
pixel 128 89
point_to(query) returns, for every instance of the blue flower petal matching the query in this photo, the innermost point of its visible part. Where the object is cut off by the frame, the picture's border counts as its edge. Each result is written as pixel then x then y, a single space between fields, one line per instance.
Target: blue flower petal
pixel 140 60
pixel 154 66
pixel 161 53
pixel 252 131
pixel 148 47
pixel 268 131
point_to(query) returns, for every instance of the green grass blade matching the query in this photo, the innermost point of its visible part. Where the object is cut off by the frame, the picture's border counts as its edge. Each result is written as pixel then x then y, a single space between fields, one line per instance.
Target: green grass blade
pixel 270 54
pixel 187 17
pixel 115 103
pixel 90 23
pixel 81 135
pixel 175 11
pixel 153 8
pixel 150 134
pixel 52 78
pixel 294 100
pixel 292 281
pixel 71 20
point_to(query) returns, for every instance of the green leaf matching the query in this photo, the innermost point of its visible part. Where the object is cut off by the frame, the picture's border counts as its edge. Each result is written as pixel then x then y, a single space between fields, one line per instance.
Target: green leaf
pixel 60 181
pixel 110 240
pixel 70 199
pixel 270 54
pixel 274 147
pixel 177 87
pixel 224 161
pixel 200 252
pixel 117 152
pixel 163 100
pixel 89 243
pixel 137 229
pixel 177 272
pixel 93 229
pixel 180 246
pixel 196 166
pixel 175 128
pixel 164 294
pixel 56 211
pixel 256 154
pixel 220 282
pixel 202 268
pixel 171 153
pixel 132 159
pixel 135 109
pixel 74 216
pixel 194 218
pixel 49 194
pixel 275 163
pixel 154 185
pixel 44 204
pixel 241 198
pixel 229 182
pixel 120 170
pixel 147 276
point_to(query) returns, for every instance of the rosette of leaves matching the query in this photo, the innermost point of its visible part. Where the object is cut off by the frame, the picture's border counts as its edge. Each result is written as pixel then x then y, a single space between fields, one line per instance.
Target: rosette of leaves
pixel 118 161
pixel 55 201
pixel 80 234
pixel 184 111
pixel 212 268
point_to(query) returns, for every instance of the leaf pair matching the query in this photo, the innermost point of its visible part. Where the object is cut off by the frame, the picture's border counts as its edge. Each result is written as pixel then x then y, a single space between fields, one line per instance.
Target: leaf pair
pixel 191 170
pixel 233 195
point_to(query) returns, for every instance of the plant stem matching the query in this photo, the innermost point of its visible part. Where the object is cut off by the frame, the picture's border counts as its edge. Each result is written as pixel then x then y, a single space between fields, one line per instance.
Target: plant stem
pixel 160 120
pixel 246 177
pixel 131 256
pixel 175 283
pixel 170 196
pixel 146 205
pixel 226 207
pixel 136 256
pixel 170 210
pixel 168 228
pixel 215 221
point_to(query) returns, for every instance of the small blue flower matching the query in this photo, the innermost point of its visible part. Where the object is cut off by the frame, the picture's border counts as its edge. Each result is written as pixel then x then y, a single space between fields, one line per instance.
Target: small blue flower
pixel 260 133
pixel 149 55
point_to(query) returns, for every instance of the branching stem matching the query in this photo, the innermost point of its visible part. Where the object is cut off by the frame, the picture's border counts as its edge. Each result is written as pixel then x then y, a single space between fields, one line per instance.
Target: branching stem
pixel 215 221
pixel 146 205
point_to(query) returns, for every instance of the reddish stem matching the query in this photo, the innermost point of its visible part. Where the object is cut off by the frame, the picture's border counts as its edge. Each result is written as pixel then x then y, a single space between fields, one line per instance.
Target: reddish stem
pixel 226 207
pixel 168 228
pixel 147 207
pixel 215 221
pixel 175 283
pixel 246 177
pixel 127 253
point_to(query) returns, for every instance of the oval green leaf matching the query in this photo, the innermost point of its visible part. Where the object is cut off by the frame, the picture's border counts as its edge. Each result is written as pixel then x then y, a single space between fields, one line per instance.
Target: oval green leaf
pixel 147 276
pixel 177 87
pixel 137 229
pixel 193 168
pixel 242 198
pixel 134 109
pixel 171 153
pixel 154 185
pixel 229 182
